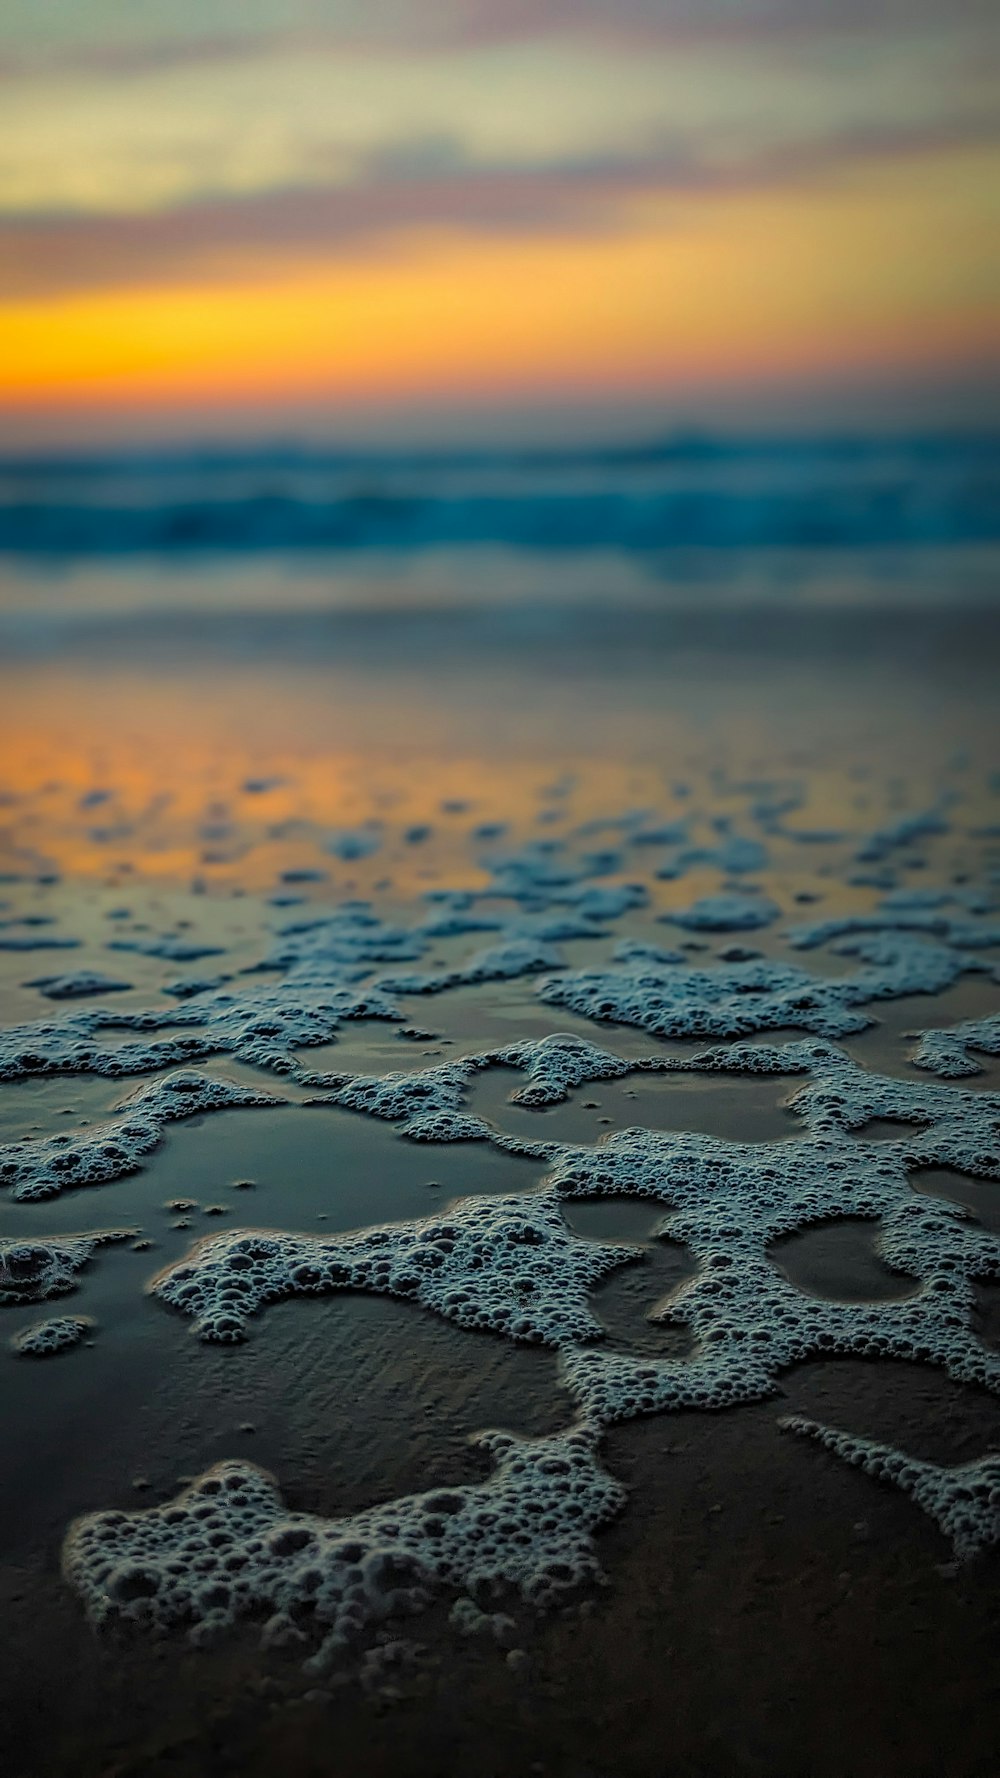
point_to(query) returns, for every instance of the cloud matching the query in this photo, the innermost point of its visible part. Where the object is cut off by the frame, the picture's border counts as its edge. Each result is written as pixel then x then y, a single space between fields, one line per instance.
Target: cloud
pixel 423 187
pixel 90 142
pixel 129 40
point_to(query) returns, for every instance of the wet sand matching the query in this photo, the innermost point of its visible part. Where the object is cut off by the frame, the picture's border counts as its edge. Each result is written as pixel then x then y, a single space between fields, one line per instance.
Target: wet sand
pixel 768 1609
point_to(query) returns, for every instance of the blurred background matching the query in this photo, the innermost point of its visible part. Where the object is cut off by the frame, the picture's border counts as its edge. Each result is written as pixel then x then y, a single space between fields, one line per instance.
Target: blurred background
pixel 440 353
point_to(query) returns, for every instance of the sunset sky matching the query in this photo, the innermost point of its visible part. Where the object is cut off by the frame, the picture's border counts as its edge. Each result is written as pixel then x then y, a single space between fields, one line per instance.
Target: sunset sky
pixel 339 215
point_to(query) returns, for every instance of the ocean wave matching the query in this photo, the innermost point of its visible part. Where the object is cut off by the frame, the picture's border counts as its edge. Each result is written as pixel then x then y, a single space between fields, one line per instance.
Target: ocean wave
pixel 716 495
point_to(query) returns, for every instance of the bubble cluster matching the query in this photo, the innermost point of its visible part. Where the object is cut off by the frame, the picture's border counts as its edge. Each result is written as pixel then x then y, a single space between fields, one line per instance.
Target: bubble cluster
pixel 650 989
pixel 263 1026
pixel 228 1548
pixel 725 913
pixel 730 1203
pixel 964 934
pixel 544 874
pixel 946 1050
pixel 939 1126
pixel 963 1499
pixel 893 836
pixel 517 954
pixel 32 1271
pixel 45 1338
pixel 43 1166
pixel 427 1103
pixel 77 984
pixel 555 1065
pixel 507 1265
pixel 343 944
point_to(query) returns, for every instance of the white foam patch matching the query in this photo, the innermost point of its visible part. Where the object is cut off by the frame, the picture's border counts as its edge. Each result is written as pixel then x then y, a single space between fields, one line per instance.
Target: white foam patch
pixel 964 934
pixel 229 1548
pixel 519 953
pixel 544 874
pixel 45 1338
pixel 724 913
pixel 36 941
pixel 262 1023
pixel 42 1166
pixel 894 836
pixel 427 1103
pixel 78 984
pixel 325 958
pixel 506 1265
pixel 730 1203
pixel 185 987
pixel 963 1499
pixel 647 988
pixel 950 1050
pixel 344 945
pixel 33 1271
pixel 171 946
pixel 263 1026
pixel 555 1065
pixel 798 1057
pixel 950 1128
pixel 352 843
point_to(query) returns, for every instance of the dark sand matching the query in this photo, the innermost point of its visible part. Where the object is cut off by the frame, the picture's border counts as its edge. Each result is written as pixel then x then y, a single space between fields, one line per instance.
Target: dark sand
pixel 769 1610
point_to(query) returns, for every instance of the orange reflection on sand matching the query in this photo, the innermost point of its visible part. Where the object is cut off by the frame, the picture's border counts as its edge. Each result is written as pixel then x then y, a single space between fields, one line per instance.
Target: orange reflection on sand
pixel 235 777
pixel 114 777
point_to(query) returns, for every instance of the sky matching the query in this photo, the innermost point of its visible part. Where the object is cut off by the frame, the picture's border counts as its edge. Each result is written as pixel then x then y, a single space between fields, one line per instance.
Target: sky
pixel 364 217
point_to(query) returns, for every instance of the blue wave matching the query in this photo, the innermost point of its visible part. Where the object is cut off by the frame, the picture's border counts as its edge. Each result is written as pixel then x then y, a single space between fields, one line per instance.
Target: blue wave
pixel 679 493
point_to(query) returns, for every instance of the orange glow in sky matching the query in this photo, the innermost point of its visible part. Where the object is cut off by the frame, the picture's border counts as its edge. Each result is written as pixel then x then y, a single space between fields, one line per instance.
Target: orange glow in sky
pixel 765 283
pixel 489 221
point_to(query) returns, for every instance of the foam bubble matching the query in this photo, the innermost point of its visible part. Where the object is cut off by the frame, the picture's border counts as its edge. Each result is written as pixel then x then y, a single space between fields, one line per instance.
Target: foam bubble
pixel 903 832
pixel 724 913
pixel 964 934
pixel 509 1265
pixel 263 1026
pixel 963 1499
pixel 427 1103
pixel 45 1338
pixel 229 1548
pixel 78 984
pixel 169 945
pixel 730 1203
pixel 31 1271
pixel 648 988
pixel 42 1166
pixel 556 1064
pixel 946 1050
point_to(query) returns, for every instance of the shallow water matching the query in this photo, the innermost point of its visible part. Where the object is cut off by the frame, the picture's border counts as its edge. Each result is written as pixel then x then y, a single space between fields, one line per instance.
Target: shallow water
pixel 159 802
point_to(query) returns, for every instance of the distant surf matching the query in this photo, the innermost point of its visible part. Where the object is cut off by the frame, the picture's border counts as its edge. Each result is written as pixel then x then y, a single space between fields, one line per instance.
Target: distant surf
pixel 680 493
